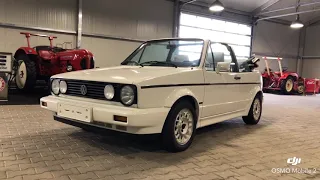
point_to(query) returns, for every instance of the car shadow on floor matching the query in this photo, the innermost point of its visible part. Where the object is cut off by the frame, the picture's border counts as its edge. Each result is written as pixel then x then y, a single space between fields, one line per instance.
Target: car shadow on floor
pixel 125 148
pixel 207 138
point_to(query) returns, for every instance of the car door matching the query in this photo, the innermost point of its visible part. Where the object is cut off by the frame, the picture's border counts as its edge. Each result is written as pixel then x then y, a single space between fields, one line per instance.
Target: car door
pixel 234 96
pixel 216 91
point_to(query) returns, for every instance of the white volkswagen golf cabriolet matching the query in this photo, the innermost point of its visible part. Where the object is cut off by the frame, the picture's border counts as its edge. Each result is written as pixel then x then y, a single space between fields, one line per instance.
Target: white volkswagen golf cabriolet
pixel 166 86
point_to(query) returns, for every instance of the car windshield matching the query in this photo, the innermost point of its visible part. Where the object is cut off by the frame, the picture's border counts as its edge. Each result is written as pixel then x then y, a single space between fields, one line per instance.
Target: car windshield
pixel 172 53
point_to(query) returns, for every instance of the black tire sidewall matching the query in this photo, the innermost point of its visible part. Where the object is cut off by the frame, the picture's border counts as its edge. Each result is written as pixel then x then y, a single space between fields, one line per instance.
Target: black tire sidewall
pixel 168 137
pixel 250 118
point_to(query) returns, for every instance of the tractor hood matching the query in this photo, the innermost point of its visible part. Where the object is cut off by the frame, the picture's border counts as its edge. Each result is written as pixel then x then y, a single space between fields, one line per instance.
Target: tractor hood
pixel 73 54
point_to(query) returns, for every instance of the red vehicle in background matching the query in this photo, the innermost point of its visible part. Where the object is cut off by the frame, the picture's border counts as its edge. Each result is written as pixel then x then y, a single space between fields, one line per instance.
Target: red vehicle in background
pixel 312 86
pixel 41 62
pixel 287 82
pixel 284 81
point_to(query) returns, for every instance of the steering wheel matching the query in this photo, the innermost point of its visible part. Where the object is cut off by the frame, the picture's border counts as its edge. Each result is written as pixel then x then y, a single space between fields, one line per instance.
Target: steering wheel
pixel 284 69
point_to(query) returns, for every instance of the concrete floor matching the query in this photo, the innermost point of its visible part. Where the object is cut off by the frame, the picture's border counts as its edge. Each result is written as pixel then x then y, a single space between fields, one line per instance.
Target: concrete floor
pixel 34 146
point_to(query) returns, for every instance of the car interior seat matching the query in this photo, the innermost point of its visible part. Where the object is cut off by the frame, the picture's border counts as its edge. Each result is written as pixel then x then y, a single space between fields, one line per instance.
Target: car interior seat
pixel 181 58
pixel 218 57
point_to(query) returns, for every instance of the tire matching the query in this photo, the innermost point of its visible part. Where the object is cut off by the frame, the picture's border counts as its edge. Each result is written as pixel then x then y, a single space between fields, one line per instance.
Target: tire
pixel 285 87
pixel 92 63
pixel 301 89
pixel 26 76
pixel 255 112
pixel 174 125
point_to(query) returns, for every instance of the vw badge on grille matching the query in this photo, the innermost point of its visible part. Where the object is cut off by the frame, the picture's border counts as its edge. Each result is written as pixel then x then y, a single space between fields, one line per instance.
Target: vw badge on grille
pixel 83 90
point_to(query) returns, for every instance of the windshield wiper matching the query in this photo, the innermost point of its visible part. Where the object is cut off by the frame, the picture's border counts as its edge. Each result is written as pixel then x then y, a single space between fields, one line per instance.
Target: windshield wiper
pixel 160 62
pixel 135 63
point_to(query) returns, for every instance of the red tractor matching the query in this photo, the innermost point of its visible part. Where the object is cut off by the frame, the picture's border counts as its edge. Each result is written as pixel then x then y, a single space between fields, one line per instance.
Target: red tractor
pixel 284 81
pixel 41 62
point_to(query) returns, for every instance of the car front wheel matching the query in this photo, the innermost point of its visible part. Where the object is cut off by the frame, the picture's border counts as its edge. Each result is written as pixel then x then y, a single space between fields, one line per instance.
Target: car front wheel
pixel 179 128
pixel 255 112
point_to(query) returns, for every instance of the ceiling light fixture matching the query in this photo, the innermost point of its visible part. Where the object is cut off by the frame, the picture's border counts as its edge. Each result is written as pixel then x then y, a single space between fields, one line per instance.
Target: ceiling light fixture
pixel 217 6
pixel 297 23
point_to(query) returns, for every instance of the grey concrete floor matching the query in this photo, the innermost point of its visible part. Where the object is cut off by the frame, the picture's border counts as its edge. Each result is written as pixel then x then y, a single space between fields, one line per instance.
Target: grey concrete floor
pixel 34 146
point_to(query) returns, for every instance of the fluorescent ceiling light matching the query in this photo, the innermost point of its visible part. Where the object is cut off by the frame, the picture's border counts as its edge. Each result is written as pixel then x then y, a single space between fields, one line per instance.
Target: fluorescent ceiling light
pixel 272 58
pixel 217 6
pixel 296 24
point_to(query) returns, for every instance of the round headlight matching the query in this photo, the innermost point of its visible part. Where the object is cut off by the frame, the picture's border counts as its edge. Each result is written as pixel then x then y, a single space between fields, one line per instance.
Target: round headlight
pixel 127 95
pixel 69 68
pixel 63 87
pixel 55 87
pixel 109 92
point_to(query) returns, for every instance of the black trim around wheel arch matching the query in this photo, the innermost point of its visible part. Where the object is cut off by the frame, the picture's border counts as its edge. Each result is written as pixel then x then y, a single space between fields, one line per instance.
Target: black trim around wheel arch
pixel 200 84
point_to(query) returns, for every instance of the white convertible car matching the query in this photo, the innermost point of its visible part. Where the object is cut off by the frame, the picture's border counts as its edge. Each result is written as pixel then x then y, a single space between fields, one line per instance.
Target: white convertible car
pixel 166 86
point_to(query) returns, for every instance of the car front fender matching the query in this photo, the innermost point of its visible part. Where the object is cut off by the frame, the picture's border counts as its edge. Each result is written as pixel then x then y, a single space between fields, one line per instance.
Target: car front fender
pixel 178 93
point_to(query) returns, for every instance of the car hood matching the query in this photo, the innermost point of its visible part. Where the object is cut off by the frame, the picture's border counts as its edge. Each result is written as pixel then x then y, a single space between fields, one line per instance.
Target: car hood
pixel 122 74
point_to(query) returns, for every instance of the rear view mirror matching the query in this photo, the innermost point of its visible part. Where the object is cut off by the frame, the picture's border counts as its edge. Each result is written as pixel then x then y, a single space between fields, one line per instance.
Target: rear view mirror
pixel 223 67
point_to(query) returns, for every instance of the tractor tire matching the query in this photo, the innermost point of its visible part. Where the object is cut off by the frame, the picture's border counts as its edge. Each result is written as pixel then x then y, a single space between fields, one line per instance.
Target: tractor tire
pixel 287 85
pixel 301 89
pixel 26 75
pixel 92 63
pixel 254 115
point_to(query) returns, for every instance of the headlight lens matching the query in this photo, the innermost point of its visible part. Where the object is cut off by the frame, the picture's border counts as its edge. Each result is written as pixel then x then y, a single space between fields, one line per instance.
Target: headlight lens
pixel 109 92
pixel 55 86
pixel 127 95
pixel 63 87
pixel 69 68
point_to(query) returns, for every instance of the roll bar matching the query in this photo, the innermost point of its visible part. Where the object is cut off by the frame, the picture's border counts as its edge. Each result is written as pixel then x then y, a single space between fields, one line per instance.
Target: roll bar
pixel 267 64
pixel 28 35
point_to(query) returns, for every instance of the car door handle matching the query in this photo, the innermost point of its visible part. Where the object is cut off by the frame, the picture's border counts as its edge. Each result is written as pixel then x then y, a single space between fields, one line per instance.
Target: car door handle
pixel 237 78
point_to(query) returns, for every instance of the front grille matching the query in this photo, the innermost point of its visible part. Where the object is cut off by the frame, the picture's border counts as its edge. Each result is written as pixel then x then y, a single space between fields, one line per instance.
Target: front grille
pixel 95 90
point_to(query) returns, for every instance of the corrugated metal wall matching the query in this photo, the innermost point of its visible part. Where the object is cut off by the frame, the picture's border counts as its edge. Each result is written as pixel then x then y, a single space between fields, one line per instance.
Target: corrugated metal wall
pixel 133 19
pixel 136 19
pixel 311 67
pixel 57 14
pixel 276 40
pixel 128 18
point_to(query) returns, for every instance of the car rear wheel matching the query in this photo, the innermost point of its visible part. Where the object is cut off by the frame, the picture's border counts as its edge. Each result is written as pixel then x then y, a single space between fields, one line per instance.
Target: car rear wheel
pixel 26 75
pixel 179 128
pixel 255 112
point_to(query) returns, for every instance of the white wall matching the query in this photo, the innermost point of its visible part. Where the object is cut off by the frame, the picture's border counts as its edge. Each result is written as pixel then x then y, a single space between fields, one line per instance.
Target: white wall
pixel 311 67
pixel 276 40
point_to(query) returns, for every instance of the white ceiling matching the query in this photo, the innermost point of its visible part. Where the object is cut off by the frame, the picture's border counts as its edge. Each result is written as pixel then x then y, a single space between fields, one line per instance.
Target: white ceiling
pixel 250 5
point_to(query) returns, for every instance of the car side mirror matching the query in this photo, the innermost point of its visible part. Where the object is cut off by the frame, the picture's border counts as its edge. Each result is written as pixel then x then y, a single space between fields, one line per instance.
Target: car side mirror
pixel 223 67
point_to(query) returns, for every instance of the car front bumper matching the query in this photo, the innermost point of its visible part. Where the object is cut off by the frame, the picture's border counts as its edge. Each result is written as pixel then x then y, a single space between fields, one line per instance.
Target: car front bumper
pixel 138 121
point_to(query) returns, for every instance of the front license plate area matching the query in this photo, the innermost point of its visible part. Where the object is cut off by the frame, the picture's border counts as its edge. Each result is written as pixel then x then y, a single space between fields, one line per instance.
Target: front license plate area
pixel 75 112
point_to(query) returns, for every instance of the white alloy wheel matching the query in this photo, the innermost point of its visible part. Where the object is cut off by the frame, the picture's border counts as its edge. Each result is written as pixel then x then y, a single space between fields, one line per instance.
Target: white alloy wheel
pixel 256 109
pixel 183 126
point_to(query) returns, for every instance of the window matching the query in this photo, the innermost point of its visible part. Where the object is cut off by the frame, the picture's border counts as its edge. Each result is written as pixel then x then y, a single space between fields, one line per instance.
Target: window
pixel 238 36
pixel 210 66
pixel 180 53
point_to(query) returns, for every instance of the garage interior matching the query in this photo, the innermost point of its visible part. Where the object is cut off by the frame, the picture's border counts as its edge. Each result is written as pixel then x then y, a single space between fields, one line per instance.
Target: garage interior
pixel 34 146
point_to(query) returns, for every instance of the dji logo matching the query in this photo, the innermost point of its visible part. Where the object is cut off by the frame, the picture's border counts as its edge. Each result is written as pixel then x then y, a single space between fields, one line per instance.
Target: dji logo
pixel 294 161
